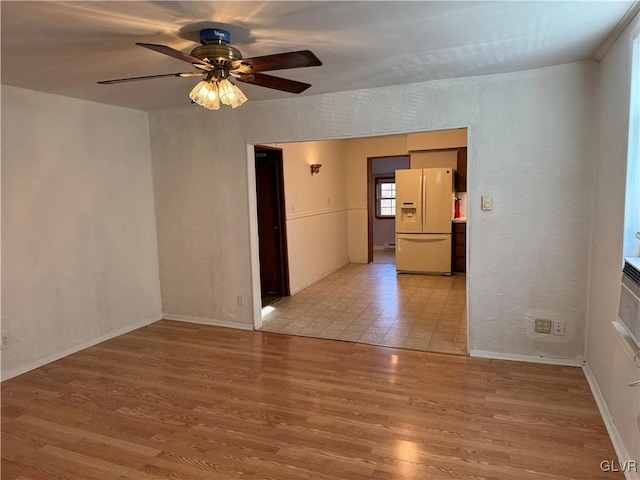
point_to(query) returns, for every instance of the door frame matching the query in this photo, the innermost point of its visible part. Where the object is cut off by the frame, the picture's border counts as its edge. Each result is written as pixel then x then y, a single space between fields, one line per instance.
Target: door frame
pixel 371 201
pixel 254 241
pixel 254 260
pixel 282 219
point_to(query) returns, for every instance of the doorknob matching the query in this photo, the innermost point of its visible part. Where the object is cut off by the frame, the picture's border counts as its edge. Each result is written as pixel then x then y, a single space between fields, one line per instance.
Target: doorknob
pixel 275 227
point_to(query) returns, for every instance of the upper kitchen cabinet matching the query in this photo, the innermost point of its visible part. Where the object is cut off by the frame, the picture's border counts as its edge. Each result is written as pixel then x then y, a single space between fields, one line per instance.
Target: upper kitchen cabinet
pixel 461 171
pixel 438 140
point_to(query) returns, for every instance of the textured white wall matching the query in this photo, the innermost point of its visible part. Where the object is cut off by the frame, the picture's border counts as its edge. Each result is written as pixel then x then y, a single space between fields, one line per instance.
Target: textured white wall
pixel 317 229
pixel 79 243
pixel 611 366
pixel 530 147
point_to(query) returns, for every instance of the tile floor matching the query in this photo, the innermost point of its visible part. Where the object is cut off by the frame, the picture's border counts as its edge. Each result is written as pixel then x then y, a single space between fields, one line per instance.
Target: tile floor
pixel 384 256
pixel 372 304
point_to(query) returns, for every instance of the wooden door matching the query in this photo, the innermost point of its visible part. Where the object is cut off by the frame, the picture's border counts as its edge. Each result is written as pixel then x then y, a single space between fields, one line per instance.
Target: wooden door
pixel 274 268
pixel 461 173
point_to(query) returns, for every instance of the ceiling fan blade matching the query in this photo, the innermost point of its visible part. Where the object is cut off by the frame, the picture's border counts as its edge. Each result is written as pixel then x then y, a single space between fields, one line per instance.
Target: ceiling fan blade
pixel 134 79
pixel 279 61
pixel 172 52
pixel 277 83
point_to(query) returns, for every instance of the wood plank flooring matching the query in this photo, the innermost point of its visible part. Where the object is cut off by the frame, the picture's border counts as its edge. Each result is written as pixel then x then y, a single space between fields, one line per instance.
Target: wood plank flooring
pixel 177 400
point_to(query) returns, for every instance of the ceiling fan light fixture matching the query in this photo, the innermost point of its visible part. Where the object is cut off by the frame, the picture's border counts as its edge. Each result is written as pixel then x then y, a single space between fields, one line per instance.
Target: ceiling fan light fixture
pixel 211 92
pixel 205 94
pixel 213 99
pixel 230 94
pixel 240 95
pixel 218 60
pixel 200 91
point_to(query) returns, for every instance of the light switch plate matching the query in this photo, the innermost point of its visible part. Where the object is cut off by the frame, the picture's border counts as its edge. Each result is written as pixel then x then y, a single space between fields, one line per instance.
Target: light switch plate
pixel 487 202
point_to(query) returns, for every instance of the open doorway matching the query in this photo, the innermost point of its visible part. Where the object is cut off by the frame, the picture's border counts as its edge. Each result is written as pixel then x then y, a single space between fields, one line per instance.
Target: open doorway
pixel 381 173
pixel 272 234
pixel 337 292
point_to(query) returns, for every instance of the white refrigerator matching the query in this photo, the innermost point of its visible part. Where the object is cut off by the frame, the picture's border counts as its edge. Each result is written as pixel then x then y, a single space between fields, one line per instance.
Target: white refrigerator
pixel 424 212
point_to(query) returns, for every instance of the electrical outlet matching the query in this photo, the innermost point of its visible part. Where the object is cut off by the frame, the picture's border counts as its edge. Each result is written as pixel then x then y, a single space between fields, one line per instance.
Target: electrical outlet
pixel 240 300
pixel 542 325
pixel 558 328
pixel 5 341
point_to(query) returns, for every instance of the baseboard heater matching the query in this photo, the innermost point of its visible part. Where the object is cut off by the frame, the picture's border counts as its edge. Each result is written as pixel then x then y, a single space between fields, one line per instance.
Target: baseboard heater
pixel 629 307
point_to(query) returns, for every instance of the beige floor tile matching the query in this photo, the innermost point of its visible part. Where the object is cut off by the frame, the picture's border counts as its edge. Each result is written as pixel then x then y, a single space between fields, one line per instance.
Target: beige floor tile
pixel 355 328
pixel 350 336
pixel 420 334
pixel 416 343
pixel 440 347
pixel 331 333
pixel 378 329
pixel 446 329
pixel 371 338
pixel 460 348
pixel 372 304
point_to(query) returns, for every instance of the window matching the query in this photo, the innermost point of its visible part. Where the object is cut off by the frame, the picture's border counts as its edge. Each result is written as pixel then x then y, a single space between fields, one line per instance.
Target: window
pixel 385 197
pixel 631 237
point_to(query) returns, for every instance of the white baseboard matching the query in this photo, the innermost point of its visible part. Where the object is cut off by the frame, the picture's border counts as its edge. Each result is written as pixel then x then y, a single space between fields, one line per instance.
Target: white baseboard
pixel 567 362
pixel 14 372
pixel 317 279
pixel 207 321
pixel 612 430
pixel 378 247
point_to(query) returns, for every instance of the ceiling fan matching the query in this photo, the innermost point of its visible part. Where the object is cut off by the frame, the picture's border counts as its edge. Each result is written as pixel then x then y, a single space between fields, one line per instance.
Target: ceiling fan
pixel 218 61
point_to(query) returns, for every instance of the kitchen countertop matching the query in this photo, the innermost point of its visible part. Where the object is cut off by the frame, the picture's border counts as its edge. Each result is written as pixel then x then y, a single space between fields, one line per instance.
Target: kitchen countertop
pixel 460 220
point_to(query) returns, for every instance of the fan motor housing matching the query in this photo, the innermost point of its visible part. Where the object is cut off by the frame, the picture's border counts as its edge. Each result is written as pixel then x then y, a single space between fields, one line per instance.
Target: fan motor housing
pixel 218 54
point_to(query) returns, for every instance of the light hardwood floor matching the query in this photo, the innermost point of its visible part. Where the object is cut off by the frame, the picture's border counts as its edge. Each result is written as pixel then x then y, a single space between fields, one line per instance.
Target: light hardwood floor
pixel 177 400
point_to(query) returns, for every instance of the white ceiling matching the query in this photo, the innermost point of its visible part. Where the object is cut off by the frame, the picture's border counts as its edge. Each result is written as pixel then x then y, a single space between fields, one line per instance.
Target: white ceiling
pixel 65 47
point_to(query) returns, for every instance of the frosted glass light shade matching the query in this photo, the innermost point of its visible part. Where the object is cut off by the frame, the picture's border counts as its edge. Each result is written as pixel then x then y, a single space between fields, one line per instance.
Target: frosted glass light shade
pixel 200 91
pixel 209 94
pixel 213 99
pixel 240 97
pixel 226 91
pixel 205 94
pixel 230 94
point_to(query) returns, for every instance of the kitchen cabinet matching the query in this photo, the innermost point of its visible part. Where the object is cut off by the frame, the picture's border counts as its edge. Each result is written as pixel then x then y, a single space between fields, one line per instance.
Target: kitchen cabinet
pixel 459 247
pixel 437 140
pixel 461 171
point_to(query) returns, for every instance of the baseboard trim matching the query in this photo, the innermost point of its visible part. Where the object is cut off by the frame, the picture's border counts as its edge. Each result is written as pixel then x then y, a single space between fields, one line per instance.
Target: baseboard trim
pixel 317 279
pixel 607 418
pixel 565 362
pixel 41 362
pixel 207 321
